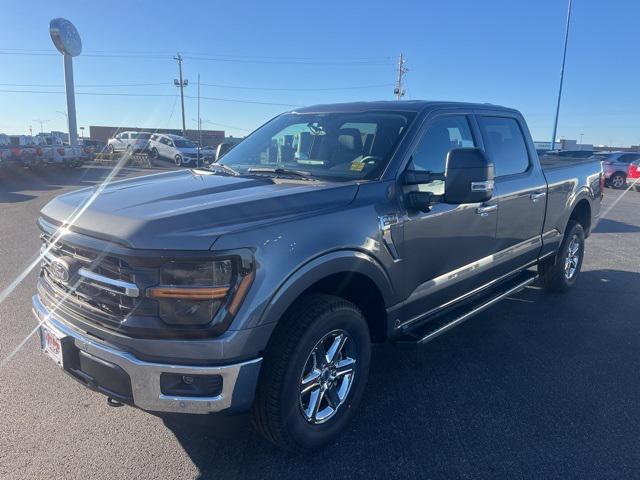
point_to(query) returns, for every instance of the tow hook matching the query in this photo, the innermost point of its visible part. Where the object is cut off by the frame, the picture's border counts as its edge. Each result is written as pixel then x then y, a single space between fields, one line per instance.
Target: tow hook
pixel 114 403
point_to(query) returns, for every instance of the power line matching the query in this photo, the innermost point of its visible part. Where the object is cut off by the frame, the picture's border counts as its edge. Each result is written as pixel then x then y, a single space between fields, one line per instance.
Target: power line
pixel 95 85
pixel 161 53
pixel 355 87
pixel 345 63
pixel 236 87
pixel 218 99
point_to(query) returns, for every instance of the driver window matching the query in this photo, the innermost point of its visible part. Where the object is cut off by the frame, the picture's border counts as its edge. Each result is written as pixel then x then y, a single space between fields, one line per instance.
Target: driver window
pixel 430 155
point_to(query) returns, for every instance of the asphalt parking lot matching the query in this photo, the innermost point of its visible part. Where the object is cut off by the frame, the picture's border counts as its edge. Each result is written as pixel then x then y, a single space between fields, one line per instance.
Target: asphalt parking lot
pixel 540 386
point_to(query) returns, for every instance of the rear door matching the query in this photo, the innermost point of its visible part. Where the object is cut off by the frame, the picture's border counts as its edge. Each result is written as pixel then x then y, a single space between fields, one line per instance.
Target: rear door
pixel 520 189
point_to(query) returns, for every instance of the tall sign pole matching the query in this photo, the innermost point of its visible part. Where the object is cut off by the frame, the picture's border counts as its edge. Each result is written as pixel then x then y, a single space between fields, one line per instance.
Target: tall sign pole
pixel 564 57
pixel 66 38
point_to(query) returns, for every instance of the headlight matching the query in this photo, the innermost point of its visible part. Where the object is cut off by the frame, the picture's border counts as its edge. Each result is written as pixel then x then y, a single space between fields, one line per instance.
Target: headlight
pixel 193 293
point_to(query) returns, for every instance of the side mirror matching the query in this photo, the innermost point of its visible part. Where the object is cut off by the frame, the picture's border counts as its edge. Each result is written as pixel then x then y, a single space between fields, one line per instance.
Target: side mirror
pixel 469 176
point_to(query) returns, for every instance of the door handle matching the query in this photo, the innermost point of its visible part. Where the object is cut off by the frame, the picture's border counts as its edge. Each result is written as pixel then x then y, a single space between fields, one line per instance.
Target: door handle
pixel 484 211
pixel 537 196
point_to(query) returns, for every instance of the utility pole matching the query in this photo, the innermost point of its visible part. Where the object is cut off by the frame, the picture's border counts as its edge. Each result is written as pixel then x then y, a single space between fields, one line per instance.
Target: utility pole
pixel 402 69
pixel 30 131
pixel 564 57
pixel 181 83
pixel 41 122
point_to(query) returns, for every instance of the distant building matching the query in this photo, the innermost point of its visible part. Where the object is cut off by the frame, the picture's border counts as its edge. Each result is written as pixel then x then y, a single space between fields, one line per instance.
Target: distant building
pixel 209 137
pixel 564 144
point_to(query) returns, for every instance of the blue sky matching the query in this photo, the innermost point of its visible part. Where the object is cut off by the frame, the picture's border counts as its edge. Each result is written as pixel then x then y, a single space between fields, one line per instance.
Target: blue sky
pixel 499 51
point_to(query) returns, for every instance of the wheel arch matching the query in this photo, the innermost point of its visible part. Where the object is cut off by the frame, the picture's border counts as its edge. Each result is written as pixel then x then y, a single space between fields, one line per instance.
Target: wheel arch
pixel 581 213
pixel 352 275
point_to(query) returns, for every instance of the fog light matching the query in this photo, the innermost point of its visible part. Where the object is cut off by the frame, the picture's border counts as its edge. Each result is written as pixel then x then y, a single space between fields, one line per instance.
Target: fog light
pixel 176 384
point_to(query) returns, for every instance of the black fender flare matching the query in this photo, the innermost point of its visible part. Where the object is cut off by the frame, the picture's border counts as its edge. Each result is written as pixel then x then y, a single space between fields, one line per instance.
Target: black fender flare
pixel 339 261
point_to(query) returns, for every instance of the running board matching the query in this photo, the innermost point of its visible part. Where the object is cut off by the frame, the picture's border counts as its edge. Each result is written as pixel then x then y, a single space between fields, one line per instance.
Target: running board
pixel 428 331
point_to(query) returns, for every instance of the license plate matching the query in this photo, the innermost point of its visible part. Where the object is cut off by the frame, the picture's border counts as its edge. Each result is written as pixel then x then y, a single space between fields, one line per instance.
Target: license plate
pixel 51 344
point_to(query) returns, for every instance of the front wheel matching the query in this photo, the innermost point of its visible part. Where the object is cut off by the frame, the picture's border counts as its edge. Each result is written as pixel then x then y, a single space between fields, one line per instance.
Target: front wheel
pixel 111 149
pixel 178 160
pixel 314 373
pixel 154 153
pixel 560 275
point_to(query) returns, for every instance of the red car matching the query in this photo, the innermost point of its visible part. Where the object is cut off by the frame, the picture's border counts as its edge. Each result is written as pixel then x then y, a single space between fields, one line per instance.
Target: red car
pixel 633 175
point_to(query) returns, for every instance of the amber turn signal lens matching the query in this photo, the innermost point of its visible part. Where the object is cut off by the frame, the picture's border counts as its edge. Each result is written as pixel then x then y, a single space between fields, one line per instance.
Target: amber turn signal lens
pixel 189 293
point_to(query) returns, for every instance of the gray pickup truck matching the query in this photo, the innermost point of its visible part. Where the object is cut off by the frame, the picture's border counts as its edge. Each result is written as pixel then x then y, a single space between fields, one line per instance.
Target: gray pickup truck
pixel 261 283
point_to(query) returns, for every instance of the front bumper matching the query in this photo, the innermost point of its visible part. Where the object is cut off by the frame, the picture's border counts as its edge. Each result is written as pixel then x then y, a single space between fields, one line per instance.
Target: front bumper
pixel 143 390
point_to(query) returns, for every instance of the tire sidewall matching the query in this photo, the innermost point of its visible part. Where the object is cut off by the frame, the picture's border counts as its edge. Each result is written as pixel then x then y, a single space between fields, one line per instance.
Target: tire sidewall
pixel 178 160
pixel 306 435
pixel 575 228
pixel 621 184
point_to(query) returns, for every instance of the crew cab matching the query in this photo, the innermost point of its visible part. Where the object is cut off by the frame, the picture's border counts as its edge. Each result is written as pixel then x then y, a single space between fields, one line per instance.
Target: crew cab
pixel 261 282
pixel 57 153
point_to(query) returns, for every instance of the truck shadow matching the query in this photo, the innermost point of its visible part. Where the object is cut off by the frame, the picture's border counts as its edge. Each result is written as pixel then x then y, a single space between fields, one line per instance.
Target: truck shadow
pixel 504 395
pixel 607 225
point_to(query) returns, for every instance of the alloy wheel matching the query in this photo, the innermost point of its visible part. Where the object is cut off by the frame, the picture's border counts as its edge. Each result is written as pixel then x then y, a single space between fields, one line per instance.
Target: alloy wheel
pixel 327 377
pixel 573 258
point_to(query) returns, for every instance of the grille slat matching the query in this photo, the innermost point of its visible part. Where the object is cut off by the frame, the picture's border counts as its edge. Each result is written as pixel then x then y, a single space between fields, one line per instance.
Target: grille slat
pixel 101 299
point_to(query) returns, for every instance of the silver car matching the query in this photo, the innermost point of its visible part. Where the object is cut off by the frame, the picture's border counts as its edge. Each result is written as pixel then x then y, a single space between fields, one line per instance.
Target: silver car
pixel 616 166
pixel 181 150
pixel 130 142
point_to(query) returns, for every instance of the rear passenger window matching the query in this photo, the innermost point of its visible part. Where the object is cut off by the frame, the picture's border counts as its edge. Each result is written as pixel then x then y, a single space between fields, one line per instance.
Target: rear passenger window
pixel 505 145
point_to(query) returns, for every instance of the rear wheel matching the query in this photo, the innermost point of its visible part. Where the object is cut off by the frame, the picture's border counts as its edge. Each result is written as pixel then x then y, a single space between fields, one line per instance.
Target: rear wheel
pixel 179 161
pixel 560 275
pixel 314 373
pixel 618 181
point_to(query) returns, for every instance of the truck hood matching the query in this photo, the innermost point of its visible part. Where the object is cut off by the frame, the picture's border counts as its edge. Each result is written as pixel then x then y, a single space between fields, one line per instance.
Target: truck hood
pixel 190 209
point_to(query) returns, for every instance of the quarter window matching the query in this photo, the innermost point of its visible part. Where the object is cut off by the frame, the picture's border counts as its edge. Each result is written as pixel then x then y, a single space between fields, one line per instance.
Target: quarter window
pixel 505 145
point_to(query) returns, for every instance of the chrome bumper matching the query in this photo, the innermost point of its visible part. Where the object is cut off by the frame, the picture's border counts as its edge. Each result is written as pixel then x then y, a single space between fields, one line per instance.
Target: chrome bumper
pixel 145 376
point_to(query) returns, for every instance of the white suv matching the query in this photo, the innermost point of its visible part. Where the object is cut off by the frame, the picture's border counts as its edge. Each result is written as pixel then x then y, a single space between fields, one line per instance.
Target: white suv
pixel 129 142
pixel 181 150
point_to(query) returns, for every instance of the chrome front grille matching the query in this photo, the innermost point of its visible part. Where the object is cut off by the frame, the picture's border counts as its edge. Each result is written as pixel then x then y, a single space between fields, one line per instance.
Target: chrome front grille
pixel 97 283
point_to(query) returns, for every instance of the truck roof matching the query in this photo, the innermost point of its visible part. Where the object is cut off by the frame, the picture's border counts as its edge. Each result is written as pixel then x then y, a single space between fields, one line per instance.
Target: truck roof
pixel 395 105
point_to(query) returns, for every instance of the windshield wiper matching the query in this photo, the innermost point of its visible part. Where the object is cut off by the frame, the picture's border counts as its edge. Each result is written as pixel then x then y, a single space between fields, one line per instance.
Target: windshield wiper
pixel 219 167
pixel 279 171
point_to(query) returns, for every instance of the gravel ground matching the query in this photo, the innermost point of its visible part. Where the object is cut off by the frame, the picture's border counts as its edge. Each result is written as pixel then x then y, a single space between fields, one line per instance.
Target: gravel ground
pixel 539 386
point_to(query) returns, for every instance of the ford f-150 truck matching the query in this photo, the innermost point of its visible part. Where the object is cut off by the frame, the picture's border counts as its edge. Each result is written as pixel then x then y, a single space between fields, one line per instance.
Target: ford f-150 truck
pixel 262 282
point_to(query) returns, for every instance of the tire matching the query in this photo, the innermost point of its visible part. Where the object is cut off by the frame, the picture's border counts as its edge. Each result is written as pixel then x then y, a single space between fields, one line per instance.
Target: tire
pixel 154 153
pixel 559 274
pixel 178 160
pixel 111 149
pixel 618 181
pixel 280 412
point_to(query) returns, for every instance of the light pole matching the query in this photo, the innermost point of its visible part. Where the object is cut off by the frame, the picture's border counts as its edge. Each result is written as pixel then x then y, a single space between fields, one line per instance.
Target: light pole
pixel 564 57
pixel 82 133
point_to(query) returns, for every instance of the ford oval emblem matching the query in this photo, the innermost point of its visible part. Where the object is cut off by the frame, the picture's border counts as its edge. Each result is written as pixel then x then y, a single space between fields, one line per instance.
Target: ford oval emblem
pixel 59 271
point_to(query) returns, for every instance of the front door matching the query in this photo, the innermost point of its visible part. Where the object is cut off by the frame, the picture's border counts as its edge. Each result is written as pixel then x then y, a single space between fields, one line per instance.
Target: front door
pixel 447 251
pixel 520 189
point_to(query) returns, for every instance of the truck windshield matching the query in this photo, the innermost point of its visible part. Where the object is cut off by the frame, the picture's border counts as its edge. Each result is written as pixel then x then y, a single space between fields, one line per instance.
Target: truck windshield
pixel 330 146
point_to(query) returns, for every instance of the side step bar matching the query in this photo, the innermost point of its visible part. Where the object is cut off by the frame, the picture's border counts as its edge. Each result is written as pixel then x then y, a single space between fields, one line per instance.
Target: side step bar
pixel 428 331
